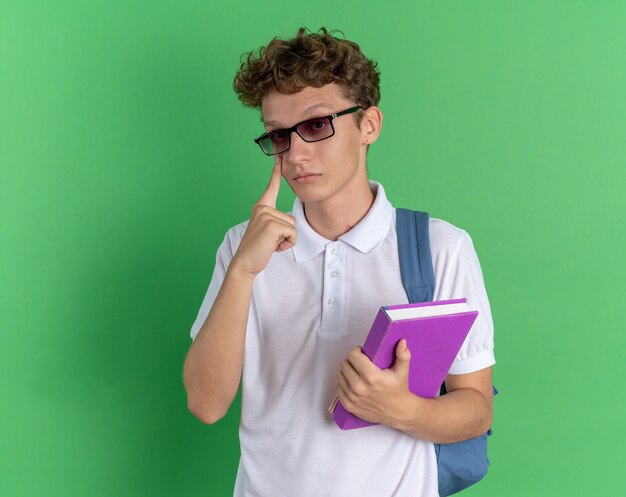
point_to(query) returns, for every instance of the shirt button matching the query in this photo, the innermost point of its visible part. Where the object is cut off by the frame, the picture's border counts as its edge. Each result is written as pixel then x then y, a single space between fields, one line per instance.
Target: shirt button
pixel 331 301
pixel 334 251
pixel 334 274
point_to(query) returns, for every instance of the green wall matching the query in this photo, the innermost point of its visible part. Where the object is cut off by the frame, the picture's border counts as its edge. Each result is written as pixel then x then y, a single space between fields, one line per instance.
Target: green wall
pixel 125 156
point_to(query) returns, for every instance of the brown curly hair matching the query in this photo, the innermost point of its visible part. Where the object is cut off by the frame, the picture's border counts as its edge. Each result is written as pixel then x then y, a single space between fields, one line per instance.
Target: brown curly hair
pixel 308 59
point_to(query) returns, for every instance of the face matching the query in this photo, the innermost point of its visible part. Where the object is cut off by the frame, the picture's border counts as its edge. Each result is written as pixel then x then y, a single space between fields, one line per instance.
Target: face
pixel 327 169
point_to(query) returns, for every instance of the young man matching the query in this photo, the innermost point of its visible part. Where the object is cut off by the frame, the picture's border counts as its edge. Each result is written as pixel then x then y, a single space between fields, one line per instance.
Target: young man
pixel 292 294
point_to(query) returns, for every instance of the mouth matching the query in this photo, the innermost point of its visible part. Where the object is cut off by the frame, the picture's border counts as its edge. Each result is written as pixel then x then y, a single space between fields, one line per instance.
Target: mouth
pixel 306 177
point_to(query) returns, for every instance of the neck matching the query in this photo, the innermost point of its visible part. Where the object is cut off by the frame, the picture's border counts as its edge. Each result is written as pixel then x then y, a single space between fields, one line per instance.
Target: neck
pixel 336 216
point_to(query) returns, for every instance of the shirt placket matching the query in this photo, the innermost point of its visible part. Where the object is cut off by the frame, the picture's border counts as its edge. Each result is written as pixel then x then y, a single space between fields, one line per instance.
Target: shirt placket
pixel 333 295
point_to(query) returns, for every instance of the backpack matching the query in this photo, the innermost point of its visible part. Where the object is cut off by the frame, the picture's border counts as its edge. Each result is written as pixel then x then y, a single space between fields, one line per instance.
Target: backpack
pixel 460 464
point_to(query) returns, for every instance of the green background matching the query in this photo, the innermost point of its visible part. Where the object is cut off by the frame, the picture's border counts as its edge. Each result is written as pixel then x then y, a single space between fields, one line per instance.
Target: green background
pixel 125 156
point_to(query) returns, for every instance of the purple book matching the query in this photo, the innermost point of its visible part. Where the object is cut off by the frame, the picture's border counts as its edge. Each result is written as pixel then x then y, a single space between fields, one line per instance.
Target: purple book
pixel 434 332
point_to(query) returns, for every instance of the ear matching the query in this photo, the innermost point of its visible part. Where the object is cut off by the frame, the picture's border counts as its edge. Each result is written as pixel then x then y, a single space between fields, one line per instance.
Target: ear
pixel 371 125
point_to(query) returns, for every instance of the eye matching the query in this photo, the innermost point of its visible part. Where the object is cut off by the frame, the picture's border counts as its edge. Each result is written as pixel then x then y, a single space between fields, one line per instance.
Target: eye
pixel 319 125
pixel 315 128
pixel 279 135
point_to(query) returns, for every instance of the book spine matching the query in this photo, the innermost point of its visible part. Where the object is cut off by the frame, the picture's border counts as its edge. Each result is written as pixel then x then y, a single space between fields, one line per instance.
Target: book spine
pixel 348 421
pixel 344 419
pixel 380 326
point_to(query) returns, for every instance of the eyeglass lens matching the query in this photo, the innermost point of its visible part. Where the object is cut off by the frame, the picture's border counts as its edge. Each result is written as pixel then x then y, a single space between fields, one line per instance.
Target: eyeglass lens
pixel 313 130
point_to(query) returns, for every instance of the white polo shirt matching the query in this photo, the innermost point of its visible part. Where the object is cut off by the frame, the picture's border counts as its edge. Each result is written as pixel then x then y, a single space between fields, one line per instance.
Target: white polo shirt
pixel 309 307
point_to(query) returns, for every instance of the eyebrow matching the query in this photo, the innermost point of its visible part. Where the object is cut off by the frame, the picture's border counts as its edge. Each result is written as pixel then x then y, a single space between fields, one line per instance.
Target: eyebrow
pixel 306 113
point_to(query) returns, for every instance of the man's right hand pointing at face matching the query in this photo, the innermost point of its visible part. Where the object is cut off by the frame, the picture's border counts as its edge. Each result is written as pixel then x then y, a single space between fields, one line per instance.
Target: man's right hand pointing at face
pixel 214 363
pixel 269 230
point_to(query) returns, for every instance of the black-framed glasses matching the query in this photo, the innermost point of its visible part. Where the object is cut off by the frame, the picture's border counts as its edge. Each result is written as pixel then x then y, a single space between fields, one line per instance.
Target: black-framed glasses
pixel 312 130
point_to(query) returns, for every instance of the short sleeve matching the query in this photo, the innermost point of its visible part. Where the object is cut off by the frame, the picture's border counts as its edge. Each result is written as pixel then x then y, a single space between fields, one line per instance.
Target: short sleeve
pixel 222 260
pixel 458 275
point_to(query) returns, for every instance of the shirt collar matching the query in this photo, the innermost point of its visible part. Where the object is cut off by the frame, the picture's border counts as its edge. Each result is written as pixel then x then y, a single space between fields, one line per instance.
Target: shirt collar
pixel 364 237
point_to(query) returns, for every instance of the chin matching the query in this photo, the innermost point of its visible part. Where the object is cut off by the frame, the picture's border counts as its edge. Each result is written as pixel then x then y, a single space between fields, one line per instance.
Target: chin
pixel 308 195
pixel 314 194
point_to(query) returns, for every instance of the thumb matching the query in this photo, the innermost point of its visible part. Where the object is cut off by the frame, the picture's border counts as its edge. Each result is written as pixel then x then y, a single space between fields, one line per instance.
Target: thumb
pixel 403 358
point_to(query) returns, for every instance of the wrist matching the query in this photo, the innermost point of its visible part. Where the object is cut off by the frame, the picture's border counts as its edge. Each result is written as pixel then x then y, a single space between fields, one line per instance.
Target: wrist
pixel 407 416
pixel 239 272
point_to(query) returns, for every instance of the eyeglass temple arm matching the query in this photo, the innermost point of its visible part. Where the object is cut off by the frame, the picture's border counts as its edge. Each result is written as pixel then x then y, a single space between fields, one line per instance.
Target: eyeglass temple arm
pixel 347 111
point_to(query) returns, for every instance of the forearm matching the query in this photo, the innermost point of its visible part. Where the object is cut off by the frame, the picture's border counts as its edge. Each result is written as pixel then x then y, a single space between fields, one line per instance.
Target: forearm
pixel 212 369
pixel 459 415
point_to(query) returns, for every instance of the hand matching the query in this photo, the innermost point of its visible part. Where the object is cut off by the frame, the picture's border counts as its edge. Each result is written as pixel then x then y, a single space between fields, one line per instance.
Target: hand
pixel 269 230
pixel 374 394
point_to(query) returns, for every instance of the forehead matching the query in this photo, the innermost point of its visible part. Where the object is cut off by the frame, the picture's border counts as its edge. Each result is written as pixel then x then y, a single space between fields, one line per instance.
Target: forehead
pixel 279 110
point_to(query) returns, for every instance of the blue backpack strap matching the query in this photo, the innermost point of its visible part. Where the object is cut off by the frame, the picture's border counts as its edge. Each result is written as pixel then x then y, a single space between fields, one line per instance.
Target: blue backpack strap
pixel 460 464
pixel 416 265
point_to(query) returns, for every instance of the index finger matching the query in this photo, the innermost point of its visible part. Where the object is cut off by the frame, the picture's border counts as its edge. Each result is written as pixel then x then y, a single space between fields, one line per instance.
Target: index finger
pixel 271 192
pixel 360 362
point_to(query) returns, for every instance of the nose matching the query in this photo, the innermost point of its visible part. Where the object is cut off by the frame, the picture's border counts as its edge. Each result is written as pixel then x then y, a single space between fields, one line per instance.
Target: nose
pixel 299 150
